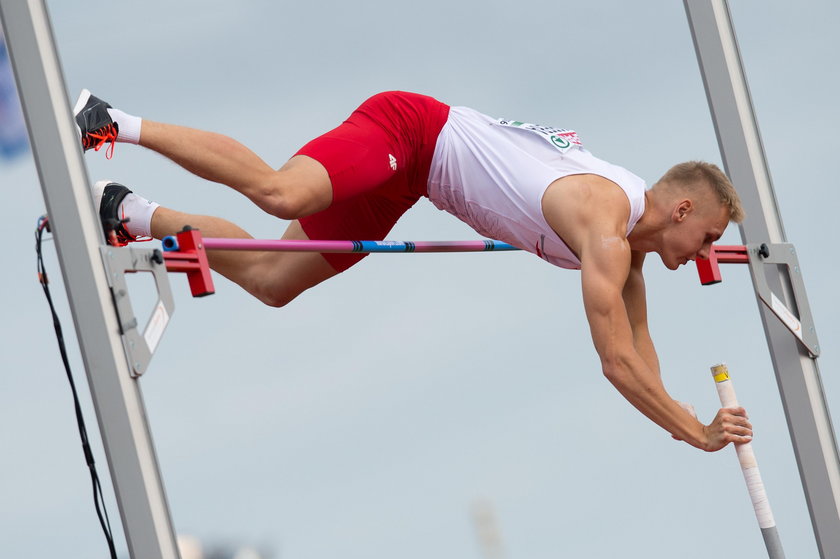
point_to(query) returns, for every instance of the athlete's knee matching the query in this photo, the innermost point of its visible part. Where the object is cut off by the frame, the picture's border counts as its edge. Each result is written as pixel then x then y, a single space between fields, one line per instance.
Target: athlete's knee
pixel 279 196
pixel 289 193
pixel 274 293
pixel 267 282
pixel 277 278
pixel 276 299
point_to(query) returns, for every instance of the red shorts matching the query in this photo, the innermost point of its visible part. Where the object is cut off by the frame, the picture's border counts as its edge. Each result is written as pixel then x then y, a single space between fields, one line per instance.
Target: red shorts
pixel 378 161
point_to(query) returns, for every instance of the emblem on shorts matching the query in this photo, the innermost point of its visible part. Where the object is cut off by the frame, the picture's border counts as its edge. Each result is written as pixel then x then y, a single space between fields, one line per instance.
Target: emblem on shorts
pixel 393 161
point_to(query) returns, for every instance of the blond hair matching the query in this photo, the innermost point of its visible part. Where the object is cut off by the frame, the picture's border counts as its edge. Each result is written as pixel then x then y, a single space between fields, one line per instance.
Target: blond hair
pixel 692 174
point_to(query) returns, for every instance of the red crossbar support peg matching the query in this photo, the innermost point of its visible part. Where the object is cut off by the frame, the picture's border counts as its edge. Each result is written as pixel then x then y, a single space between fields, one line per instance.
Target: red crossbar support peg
pixel 709 269
pixel 191 258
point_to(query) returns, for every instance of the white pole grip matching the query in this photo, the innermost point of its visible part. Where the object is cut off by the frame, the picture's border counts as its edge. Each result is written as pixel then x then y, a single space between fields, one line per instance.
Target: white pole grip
pixel 746 456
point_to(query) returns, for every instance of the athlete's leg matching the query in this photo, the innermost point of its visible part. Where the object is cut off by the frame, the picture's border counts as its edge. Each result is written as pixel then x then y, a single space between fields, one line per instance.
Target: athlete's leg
pixel 373 179
pixel 275 278
pixel 301 187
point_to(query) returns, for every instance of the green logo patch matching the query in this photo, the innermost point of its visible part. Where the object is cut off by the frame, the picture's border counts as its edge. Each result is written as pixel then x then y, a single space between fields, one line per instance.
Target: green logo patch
pixel 560 142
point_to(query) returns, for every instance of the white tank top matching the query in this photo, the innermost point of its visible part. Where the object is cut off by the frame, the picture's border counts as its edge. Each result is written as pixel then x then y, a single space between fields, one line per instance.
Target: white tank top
pixel 492 174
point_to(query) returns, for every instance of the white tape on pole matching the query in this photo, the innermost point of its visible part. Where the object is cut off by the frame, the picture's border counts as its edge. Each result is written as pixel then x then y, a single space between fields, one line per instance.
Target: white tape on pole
pixel 746 456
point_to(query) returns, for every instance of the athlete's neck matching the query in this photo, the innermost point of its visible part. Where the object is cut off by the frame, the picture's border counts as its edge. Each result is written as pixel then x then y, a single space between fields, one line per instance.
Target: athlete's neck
pixel 647 233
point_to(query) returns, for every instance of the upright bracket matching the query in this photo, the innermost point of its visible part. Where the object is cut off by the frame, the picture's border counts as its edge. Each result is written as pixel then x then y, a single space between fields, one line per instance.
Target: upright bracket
pixel 758 255
pixel 119 260
pixel 784 254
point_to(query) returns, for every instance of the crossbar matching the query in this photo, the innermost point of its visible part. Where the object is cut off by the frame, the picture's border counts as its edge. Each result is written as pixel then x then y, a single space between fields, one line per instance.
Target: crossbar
pixel 170 244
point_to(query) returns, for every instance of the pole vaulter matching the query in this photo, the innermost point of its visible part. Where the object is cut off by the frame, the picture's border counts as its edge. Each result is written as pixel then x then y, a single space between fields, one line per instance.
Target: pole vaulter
pixel 116 394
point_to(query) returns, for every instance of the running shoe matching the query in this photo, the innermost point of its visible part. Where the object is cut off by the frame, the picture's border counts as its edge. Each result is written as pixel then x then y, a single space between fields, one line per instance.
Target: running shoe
pixel 95 125
pixel 108 196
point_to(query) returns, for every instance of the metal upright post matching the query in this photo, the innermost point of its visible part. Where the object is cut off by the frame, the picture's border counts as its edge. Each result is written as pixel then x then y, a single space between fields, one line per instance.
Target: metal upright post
pixel 797 374
pixel 75 225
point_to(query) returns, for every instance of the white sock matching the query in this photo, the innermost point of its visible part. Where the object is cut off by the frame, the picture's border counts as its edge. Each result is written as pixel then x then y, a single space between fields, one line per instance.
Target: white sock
pixel 139 212
pixel 129 126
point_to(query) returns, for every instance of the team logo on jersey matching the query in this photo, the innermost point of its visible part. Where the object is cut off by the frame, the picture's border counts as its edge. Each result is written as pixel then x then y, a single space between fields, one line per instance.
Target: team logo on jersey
pixel 393 161
pixel 561 138
pixel 560 142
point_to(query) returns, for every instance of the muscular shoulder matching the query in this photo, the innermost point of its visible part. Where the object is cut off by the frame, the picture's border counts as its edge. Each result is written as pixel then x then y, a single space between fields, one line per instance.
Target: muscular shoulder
pixel 580 204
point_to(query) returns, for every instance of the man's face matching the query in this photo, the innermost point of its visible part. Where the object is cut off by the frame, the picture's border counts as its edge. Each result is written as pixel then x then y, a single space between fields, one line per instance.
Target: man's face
pixel 692 231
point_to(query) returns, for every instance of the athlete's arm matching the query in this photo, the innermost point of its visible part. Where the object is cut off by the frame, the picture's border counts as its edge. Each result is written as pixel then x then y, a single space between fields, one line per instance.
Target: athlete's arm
pixel 635 302
pixel 592 219
pixel 605 265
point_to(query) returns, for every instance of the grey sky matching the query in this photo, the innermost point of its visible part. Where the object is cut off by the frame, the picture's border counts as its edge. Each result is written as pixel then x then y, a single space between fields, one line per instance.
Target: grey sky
pixel 366 419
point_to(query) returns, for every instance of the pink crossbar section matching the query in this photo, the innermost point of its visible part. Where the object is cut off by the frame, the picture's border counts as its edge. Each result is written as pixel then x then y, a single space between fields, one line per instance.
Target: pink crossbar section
pixel 353 246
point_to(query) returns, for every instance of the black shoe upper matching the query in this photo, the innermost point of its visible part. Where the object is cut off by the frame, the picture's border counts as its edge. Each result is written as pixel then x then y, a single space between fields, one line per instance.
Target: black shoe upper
pixel 94 116
pixel 109 206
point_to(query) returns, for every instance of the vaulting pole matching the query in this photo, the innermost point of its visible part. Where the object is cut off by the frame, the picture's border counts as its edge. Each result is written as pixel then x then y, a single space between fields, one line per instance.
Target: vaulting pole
pixel 749 467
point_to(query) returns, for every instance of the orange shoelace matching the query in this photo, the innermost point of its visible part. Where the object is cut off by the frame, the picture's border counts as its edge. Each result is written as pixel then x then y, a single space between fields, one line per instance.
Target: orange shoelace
pixel 120 239
pixel 97 139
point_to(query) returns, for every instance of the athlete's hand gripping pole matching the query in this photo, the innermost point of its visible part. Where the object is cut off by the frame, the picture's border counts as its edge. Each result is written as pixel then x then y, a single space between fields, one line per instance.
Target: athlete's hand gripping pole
pixel 749 467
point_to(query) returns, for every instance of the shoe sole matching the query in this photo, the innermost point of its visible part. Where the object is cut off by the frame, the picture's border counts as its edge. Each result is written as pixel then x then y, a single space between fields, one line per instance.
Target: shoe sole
pixel 97 192
pixel 80 104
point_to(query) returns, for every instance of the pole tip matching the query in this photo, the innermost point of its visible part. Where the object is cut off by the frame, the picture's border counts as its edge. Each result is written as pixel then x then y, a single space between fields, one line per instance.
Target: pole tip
pixel 720 372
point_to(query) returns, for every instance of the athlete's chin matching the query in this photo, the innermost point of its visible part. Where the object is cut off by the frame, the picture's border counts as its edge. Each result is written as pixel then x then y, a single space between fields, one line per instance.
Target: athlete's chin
pixel 669 263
